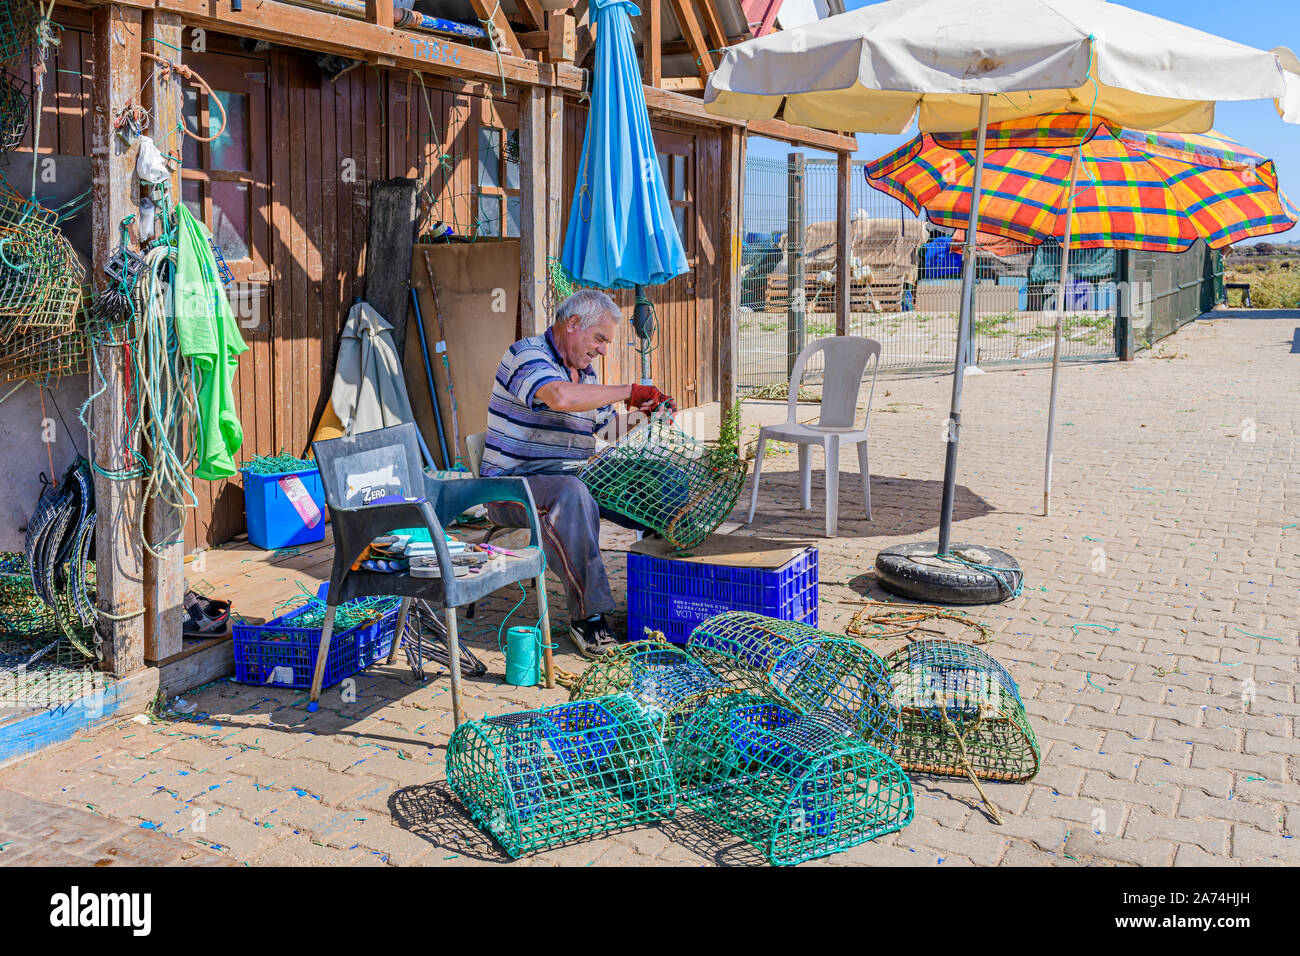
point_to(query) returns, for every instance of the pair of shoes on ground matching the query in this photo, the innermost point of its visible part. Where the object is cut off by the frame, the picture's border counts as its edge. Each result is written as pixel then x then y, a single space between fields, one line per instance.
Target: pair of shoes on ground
pixel 592 637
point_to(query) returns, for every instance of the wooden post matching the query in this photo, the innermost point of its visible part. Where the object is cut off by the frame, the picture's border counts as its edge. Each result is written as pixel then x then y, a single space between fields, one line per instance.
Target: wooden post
pixel 733 148
pixel 532 201
pixel 652 72
pixel 794 260
pixel 391 236
pixel 556 201
pixel 380 12
pixel 843 243
pixel 164 573
pixel 563 37
pixel 118 563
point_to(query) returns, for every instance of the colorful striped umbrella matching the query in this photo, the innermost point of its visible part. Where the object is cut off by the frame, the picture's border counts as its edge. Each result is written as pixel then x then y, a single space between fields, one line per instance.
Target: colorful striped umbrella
pixel 1091 184
pixel 1158 192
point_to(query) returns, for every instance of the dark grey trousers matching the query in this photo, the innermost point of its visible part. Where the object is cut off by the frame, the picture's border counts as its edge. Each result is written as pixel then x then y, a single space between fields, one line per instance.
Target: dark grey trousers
pixel 570 523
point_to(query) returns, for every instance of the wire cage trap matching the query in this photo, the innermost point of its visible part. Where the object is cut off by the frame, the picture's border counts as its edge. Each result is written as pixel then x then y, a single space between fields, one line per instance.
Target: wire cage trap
pixel 944 689
pixel 17 29
pixel 666 480
pixel 15 110
pixel 540 778
pixel 797 786
pixel 807 669
pixel 666 681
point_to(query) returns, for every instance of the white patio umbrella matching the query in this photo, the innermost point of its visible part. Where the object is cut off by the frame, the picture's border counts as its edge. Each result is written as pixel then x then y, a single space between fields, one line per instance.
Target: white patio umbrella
pixel 1288 105
pixel 959 64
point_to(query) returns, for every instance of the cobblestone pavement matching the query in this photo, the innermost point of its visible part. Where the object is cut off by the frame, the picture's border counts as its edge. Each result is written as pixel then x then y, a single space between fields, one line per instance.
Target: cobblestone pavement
pixel 1155 647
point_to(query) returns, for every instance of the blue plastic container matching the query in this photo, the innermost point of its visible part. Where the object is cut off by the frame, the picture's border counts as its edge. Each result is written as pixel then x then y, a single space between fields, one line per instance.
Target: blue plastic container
pixel 674 596
pixel 278 654
pixel 272 520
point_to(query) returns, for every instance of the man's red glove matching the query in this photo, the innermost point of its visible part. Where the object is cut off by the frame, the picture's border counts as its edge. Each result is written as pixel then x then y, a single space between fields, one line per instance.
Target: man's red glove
pixel 647 398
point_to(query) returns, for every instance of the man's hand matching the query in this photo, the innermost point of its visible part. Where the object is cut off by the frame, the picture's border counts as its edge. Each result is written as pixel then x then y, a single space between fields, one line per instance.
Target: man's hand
pixel 647 398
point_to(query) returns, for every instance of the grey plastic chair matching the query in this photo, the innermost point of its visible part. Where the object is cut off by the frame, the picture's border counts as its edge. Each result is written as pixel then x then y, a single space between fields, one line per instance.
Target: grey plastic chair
pixel 847 358
pixel 374 482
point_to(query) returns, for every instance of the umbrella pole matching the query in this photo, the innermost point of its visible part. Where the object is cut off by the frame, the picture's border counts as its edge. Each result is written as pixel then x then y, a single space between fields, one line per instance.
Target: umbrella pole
pixel 963 331
pixel 1060 322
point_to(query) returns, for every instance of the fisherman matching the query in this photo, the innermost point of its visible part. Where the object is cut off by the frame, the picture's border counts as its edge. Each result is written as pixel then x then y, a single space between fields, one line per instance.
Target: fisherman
pixel 546 410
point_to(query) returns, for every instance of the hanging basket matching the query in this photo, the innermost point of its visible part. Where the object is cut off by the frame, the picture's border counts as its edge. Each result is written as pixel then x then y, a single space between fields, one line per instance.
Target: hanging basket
pixel 664 479
pixel 934 680
pixel 15 110
pixel 804 668
pixel 665 681
pixel 797 786
pixel 540 778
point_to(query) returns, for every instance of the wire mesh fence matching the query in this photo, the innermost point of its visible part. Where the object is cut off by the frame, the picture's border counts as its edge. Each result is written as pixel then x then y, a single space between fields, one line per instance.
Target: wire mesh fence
pixel 905 282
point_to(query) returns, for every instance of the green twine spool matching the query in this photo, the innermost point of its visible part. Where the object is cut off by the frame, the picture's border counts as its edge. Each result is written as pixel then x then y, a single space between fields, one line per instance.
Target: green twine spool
pixel 523 656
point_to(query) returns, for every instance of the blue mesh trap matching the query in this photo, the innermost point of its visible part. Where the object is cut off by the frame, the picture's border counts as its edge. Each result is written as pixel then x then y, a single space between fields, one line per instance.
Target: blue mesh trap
pixel 796 786
pixel 807 669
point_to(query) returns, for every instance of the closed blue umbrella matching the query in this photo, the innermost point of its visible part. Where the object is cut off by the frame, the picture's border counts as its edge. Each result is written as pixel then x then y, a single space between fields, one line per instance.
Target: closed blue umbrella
pixel 621 232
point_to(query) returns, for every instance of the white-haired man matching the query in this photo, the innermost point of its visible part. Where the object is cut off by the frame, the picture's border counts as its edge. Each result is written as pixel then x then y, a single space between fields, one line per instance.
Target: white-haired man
pixel 547 406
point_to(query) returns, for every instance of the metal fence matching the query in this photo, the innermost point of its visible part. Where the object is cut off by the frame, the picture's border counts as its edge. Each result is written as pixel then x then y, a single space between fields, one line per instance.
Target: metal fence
pixel 905 284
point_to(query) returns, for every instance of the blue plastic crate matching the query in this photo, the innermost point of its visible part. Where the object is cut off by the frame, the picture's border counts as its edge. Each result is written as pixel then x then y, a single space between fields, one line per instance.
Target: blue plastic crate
pixel 674 596
pixel 272 520
pixel 278 654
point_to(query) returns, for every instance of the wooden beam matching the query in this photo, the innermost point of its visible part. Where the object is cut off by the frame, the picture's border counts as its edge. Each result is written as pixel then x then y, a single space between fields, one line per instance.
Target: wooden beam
pixel 682 84
pixel 306 29
pixel 119 567
pixel 684 11
pixel 490 11
pixel 380 13
pixel 680 47
pixel 556 200
pixel 733 194
pixel 843 242
pixel 652 70
pixel 803 135
pixel 586 27
pixel 533 188
pixel 564 37
pixel 533 13
pixel 717 35
pixel 534 40
pixel 164 573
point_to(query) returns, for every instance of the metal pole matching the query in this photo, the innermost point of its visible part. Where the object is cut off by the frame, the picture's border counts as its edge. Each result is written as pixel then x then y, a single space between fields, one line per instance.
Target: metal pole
pixel 1060 322
pixel 953 431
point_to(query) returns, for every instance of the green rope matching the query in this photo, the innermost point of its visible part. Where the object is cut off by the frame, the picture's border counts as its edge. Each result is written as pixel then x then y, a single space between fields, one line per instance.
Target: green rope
pixel 277 465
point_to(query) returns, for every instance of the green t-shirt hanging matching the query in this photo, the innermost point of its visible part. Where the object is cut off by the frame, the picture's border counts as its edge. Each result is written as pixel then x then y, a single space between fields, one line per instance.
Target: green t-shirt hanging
pixel 209 336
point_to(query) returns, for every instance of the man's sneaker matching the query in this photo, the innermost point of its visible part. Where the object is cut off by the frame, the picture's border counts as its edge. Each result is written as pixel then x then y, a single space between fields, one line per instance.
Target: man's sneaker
pixel 592 637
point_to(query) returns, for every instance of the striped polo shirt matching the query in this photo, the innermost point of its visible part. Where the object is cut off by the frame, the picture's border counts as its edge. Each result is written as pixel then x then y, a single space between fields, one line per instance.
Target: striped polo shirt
pixel 524 436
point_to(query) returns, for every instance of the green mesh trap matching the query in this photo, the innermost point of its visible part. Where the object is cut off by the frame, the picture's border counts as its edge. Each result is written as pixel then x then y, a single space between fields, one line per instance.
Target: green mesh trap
pixel 804 668
pixel 40 275
pixel 945 688
pixel 667 481
pixel 667 683
pixel 17 29
pixel 796 786
pixel 540 778
pixel 15 110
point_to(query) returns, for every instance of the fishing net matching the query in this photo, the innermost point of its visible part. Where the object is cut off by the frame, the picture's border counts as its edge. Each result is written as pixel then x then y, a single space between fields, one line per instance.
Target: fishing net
pixel 667 683
pixel 796 786
pixel 540 778
pixel 664 479
pixel 804 668
pixel 15 110
pixel 17 29
pixel 944 690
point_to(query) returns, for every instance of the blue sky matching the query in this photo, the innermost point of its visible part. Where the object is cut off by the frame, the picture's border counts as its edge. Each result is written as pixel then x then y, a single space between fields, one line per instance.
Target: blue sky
pixel 1263 24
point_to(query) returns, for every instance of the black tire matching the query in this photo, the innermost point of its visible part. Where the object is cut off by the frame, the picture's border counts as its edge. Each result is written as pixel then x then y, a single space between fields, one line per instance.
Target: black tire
pixel 905 570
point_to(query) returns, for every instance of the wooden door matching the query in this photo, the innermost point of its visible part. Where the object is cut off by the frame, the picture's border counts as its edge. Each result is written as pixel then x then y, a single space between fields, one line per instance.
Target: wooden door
pixel 224 183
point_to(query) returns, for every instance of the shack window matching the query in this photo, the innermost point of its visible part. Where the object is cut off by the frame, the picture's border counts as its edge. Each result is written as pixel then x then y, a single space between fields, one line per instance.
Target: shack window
pixel 217 177
pixel 676 171
pixel 498 182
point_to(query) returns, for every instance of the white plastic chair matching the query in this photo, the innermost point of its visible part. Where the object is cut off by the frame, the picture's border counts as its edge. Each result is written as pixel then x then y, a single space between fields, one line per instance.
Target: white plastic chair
pixel 846 363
